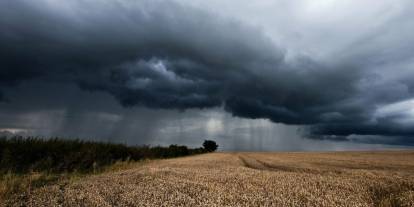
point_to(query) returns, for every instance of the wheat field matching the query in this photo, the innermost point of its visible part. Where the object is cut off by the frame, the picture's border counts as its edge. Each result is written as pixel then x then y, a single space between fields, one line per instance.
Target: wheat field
pixel 244 179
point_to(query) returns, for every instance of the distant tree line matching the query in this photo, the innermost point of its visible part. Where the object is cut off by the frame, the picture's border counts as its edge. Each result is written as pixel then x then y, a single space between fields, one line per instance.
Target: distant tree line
pixel 24 154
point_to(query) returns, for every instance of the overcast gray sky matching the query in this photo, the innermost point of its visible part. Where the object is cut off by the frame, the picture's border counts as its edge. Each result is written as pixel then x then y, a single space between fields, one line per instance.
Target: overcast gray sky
pixel 253 75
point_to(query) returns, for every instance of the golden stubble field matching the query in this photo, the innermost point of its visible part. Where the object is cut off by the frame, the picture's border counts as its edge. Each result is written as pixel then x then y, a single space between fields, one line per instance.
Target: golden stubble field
pixel 245 179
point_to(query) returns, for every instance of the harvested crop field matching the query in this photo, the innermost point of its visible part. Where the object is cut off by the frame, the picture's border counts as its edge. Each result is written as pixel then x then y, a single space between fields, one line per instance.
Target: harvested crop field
pixel 245 179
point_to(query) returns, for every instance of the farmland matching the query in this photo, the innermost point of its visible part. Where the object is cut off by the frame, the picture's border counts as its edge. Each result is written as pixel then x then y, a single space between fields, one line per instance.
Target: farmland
pixel 243 179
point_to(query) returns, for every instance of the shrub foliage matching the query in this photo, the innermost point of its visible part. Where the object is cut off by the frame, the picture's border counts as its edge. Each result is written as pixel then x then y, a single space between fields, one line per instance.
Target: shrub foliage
pixel 21 155
pixel 210 145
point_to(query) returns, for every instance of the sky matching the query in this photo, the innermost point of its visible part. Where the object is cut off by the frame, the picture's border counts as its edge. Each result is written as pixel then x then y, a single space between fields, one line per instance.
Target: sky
pixel 304 75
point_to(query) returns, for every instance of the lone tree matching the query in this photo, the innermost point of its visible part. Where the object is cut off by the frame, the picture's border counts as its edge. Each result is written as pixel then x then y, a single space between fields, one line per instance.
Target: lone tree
pixel 210 145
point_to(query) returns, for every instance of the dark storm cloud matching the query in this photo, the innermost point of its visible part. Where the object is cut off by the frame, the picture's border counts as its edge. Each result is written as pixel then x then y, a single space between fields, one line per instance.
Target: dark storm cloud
pixel 166 55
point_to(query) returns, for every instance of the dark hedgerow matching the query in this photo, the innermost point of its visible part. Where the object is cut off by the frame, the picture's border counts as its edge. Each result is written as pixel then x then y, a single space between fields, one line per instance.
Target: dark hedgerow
pixel 21 155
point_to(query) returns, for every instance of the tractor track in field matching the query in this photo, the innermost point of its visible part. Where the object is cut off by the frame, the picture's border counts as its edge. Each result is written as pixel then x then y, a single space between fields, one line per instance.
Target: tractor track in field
pixel 262 165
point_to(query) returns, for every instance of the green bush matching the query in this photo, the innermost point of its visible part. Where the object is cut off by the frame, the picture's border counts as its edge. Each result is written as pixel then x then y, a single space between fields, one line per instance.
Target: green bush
pixel 210 145
pixel 25 154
